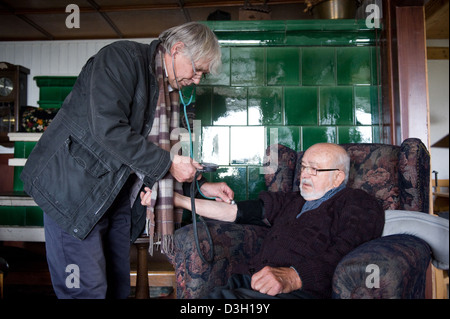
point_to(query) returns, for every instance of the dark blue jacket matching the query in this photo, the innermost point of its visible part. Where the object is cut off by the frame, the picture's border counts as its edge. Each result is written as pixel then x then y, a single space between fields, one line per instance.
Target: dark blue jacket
pixel 98 138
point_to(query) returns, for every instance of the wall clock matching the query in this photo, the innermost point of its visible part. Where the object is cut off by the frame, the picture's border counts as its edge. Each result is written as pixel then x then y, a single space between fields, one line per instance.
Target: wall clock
pixel 13 96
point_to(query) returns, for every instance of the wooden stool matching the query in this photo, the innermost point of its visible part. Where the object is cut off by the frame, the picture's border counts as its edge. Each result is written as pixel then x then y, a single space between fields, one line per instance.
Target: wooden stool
pixel 142 245
pixel 157 273
pixel 3 270
pixel 1 284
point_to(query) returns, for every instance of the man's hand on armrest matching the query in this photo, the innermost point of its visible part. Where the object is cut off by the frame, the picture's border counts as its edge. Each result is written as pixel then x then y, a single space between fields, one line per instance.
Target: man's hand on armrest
pixel 276 280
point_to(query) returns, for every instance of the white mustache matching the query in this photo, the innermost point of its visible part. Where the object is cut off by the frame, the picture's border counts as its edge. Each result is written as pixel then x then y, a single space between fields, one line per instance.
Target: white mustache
pixel 306 181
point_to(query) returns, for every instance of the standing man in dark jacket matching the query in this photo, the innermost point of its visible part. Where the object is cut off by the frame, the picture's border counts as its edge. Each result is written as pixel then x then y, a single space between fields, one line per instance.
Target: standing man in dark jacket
pixel 309 231
pixel 87 168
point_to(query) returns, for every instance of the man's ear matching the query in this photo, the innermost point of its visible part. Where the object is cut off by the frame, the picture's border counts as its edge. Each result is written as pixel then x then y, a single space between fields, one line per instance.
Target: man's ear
pixel 338 178
pixel 177 47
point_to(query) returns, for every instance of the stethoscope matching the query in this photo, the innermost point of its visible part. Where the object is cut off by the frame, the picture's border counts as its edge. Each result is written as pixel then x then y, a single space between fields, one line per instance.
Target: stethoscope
pixel 194 185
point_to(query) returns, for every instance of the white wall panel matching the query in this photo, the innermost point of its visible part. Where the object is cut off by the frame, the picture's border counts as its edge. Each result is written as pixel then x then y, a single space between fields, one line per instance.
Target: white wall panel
pixel 51 58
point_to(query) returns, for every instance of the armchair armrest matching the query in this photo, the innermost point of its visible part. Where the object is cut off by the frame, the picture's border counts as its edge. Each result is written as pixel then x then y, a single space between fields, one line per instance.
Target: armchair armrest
pixel 432 229
pixel 233 244
pixel 388 267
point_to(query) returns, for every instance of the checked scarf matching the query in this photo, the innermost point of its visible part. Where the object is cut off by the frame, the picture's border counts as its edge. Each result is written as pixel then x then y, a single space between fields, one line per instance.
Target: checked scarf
pixel 162 216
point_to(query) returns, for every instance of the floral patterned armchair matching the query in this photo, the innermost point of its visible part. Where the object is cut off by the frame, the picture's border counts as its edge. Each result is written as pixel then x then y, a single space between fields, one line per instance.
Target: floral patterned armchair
pixel 399 176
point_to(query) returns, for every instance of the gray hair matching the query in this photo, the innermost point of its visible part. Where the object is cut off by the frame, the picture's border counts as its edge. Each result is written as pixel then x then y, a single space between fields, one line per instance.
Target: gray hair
pixel 343 162
pixel 199 41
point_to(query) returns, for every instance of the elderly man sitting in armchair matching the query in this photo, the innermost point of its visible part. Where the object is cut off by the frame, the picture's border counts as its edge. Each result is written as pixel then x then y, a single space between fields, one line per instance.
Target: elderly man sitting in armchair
pixel 309 231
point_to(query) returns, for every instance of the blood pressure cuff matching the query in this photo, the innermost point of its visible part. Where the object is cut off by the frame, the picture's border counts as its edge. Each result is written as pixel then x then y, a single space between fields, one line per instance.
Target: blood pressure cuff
pixel 251 212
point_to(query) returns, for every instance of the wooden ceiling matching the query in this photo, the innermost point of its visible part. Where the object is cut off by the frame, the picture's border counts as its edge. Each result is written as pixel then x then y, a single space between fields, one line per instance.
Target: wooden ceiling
pixel 436 15
pixel 23 20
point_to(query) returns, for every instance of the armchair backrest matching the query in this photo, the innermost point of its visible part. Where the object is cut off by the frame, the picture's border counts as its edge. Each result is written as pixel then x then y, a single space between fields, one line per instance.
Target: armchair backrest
pixel 398 176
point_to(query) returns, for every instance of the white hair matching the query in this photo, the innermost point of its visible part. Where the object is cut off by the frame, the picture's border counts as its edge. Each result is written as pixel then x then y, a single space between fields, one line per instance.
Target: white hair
pixel 199 41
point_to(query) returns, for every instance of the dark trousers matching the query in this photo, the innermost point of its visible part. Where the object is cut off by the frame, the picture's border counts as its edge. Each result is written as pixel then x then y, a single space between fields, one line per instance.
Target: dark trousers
pixel 239 287
pixel 97 267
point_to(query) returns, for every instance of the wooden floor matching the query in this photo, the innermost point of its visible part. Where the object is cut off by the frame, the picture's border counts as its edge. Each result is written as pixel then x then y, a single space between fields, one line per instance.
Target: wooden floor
pixel 28 275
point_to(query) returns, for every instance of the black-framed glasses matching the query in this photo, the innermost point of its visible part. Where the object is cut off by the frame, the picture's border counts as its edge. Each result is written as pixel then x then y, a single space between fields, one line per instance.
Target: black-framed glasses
pixel 313 171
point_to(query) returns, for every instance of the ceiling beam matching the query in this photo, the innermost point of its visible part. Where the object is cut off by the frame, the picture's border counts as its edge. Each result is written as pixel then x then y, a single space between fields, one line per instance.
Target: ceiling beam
pixel 152 7
pixel 106 18
pixel 433 7
pixel 47 34
pixel 437 53
pixel 185 12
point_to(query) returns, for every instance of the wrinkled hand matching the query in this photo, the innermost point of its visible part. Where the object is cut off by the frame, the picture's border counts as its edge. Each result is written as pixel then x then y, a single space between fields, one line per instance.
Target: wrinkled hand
pixel 183 168
pixel 276 280
pixel 221 191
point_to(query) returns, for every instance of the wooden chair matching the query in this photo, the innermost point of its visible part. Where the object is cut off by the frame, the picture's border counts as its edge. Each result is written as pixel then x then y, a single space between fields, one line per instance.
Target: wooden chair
pixel 440 195
pixel 441 204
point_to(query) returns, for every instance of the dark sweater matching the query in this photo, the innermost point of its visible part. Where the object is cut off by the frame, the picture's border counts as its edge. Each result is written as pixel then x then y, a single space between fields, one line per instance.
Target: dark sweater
pixel 315 242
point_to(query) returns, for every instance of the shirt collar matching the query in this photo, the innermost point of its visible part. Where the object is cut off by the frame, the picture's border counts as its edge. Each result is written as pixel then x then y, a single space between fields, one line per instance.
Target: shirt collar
pixel 313 204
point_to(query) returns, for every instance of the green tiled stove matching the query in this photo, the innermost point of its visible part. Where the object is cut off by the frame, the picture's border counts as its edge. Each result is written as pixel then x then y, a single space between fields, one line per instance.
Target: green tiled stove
pixel 20 218
pixel 296 83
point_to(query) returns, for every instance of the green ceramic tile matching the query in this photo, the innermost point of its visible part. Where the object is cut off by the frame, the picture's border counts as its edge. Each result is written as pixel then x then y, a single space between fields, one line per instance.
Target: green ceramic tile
pixel 283 66
pixel 353 65
pixel 216 145
pixel 247 66
pixel 313 135
pixel 229 106
pixel 247 145
pixel 34 216
pixel 377 134
pixel 376 103
pixel 54 93
pixel 318 66
pixel 17 182
pixel 19 149
pixel 286 135
pixel 300 105
pixel 336 105
pixel 203 105
pixel 236 179
pixel 265 106
pixel 23 149
pixel 374 62
pixel 256 182
pixel 223 78
pixel 366 104
pixel 250 38
pixel 250 25
pixel 12 215
pixel 354 134
pixel 303 38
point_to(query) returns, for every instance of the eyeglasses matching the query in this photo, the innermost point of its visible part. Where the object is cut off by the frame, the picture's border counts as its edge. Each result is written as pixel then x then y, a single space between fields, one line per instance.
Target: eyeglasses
pixel 199 74
pixel 313 171
pixel 195 71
